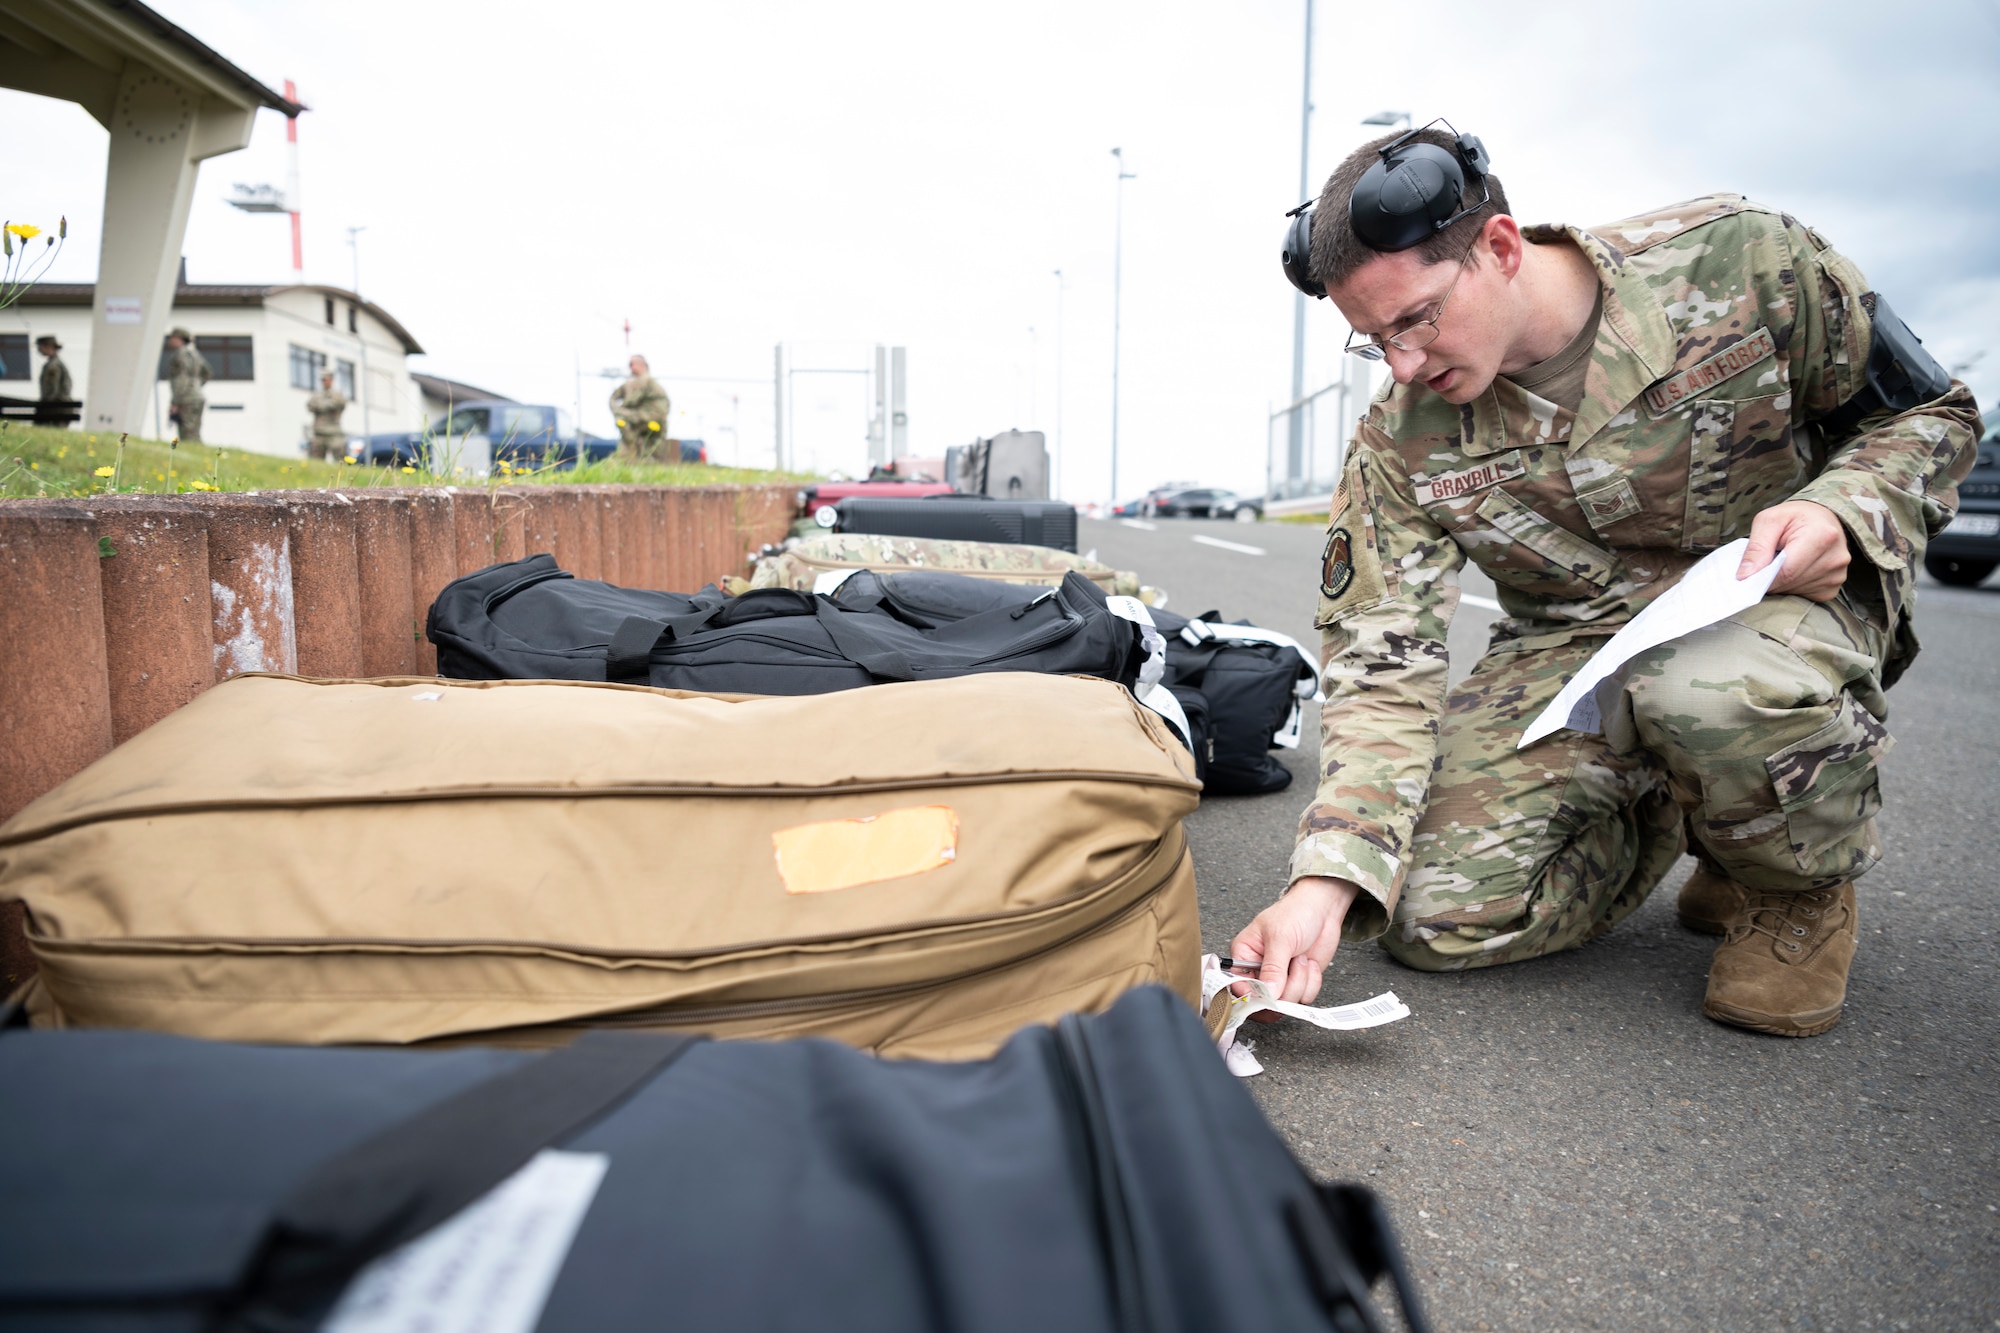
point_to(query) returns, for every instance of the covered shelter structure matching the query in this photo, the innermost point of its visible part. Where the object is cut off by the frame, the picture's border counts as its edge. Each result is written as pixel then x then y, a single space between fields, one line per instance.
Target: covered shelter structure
pixel 170 102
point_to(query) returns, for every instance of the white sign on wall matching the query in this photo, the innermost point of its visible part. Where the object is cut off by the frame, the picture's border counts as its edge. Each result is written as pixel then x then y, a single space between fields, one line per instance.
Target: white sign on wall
pixel 123 310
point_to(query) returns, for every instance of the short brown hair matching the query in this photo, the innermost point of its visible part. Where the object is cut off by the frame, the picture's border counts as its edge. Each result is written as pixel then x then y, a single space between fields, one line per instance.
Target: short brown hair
pixel 1337 252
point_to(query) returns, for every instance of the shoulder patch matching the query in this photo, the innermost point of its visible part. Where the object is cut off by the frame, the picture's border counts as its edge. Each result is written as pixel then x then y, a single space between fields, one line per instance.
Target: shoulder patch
pixel 1337 563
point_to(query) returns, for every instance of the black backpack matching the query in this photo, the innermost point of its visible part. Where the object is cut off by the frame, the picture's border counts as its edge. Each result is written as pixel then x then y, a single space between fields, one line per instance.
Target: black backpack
pixel 529 620
pixel 1252 689
pixel 1106 1173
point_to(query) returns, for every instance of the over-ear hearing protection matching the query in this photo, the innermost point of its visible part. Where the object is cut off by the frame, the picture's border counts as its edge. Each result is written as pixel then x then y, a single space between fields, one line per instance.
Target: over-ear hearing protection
pixel 1411 193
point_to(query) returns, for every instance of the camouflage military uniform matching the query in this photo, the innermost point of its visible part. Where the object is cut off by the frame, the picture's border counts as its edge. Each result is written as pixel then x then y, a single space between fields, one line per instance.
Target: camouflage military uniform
pixel 328 440
pixel 640 407
pixel 803 563
pixel 55 380
pixel 1727 331
pixel 187 371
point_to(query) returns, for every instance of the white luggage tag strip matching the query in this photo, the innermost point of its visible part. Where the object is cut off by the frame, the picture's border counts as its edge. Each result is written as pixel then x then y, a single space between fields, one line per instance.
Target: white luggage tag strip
pixel 1708 592
pixel 1308 687
pixel 1370 1013
pixel 1134 610
pixel 490 1268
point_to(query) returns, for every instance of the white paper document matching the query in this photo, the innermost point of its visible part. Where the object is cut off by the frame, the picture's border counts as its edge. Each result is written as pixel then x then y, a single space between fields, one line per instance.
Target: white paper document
pixel 1383 1008
pixel 487 1270
pixel 1707 593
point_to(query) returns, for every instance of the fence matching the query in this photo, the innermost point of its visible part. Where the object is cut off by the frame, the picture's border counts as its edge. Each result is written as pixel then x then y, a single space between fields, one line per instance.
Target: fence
pixel 116 610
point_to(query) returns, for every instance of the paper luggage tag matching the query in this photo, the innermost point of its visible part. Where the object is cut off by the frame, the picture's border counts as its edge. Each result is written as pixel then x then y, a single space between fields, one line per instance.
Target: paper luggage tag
pixel 1383 1008
pixel 842 853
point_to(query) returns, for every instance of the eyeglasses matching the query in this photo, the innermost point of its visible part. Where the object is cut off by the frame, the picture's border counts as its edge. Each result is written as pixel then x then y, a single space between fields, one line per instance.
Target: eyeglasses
pixel 1420 334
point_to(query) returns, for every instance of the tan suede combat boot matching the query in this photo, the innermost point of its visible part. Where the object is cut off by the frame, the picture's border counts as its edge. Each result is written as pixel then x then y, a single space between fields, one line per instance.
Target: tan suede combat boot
pixel 1783 967
pixel 1710 901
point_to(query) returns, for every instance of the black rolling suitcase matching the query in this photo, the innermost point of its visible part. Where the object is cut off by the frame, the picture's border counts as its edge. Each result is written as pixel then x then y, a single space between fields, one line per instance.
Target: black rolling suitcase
pixel 962 518
pixel 1104 1174
pixel 529 620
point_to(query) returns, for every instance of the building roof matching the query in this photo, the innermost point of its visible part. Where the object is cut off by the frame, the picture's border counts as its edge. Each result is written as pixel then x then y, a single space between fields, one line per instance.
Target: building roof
pixel 219 294
pixel 76 49
pixel 456 391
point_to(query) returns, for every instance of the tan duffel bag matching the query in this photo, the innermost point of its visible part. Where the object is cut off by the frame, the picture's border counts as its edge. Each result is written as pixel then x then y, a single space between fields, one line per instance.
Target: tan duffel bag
pixel 816 564
pixel 917 869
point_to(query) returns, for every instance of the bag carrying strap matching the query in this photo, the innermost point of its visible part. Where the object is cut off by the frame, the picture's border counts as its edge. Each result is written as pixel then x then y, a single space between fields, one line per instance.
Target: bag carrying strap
pixel 406 1179
pixel 1344 1235
pixel 629 659
pixel 879 662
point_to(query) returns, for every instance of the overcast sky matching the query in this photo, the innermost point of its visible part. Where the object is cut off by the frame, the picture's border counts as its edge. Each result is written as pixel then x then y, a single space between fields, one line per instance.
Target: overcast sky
pixel 728 176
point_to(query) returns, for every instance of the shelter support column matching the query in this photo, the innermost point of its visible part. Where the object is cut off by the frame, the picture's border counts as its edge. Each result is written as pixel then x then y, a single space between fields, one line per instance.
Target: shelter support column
pixel 160 133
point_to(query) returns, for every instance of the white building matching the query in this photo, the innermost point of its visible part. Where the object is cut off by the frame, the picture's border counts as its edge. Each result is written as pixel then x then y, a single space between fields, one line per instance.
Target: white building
pixel 266 345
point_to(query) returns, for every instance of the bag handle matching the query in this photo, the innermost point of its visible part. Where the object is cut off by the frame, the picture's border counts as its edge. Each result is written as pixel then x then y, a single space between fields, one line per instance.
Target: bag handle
pixel 881 663
pixel 402 1181
pixel 629 659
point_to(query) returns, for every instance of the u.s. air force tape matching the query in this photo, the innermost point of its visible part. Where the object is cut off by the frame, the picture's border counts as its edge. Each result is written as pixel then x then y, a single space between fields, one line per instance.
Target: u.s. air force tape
pixel 1337 564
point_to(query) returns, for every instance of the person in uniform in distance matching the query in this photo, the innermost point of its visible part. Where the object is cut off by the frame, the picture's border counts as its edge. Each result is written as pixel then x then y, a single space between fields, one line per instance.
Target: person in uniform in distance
pixel 329 441
pixel 56 384
pixel 639 406
pixel 1583 413
pixel 187 372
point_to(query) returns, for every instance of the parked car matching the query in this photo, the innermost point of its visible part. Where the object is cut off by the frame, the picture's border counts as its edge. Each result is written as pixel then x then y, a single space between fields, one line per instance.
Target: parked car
pixel 1209 502
pixel 522 435
pixel 1131 508
pixel 1969 548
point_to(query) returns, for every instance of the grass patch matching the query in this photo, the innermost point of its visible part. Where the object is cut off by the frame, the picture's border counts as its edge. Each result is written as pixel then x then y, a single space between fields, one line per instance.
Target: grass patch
pixel 42 460
pixel 1311 518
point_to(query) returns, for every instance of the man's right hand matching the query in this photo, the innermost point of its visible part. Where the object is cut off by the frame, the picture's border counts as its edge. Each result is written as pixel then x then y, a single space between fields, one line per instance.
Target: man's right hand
pixel 1293 939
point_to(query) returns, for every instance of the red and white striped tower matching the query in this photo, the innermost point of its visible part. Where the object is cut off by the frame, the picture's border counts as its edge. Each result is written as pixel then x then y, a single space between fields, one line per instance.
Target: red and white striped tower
pixel 292 184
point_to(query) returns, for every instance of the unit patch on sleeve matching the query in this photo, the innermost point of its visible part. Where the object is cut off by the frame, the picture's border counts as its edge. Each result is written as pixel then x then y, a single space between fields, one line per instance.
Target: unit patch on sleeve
pixel 1337 565
pixel 1731 360
pixel 1451 485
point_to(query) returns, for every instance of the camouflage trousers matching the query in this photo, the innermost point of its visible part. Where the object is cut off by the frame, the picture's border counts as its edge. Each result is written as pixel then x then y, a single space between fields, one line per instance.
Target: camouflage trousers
pixel 1759 736
pixel 187 417
pixel 332 448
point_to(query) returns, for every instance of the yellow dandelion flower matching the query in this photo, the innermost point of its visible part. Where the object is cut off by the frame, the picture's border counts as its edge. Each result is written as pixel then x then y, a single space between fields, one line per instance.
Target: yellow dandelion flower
pixel 103 472
pixel 408 468
pixel 26 231
pixel 202 486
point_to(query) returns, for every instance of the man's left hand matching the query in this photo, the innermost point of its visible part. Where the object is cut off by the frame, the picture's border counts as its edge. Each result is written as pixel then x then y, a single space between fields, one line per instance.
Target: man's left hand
pixel 1815 547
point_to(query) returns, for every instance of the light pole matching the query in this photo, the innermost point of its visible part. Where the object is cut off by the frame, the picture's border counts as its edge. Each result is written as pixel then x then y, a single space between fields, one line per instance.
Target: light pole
pixel 1388 118
pixel 1117 300
pixel 1295 429
pixel 360 333
pixel 1055 479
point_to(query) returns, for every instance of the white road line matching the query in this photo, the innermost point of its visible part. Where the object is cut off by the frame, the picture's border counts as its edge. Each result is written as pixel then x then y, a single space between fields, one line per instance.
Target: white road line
pixel 1483 603
pixel 1207 540
pixel 1139 524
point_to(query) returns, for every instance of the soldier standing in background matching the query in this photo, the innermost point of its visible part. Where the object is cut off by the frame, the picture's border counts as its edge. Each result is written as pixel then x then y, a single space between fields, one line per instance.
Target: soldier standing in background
pixel 187 371
pixel 639 406
pixel 56 386
pixel 1584 413
pixel 329 441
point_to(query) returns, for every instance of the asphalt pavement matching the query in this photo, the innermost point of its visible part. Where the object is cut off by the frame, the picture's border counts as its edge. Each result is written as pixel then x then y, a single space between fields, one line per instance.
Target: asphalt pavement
pixel 1567 1143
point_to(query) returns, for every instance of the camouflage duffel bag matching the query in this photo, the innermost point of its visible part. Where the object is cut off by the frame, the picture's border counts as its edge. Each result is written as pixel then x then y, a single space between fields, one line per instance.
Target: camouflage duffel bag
pixel 806 562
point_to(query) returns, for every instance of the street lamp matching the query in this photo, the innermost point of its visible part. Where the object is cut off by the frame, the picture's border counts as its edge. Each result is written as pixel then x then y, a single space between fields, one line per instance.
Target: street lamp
pixel 1295 428
pixel 1055 473
pixel 1117 302
pixel 361 332
pixel 1388 118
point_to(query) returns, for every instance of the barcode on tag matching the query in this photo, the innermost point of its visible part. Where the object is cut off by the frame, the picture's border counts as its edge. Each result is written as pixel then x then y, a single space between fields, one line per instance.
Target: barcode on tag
pixel 1382 1006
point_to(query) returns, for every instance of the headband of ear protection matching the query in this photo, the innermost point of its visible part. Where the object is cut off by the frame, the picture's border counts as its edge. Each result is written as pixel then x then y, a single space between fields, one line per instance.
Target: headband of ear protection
pixel 1412 193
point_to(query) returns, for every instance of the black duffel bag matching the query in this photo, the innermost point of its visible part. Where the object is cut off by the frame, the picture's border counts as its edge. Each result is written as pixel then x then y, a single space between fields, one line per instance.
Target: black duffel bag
pixel 529 620
pixel 1104 1174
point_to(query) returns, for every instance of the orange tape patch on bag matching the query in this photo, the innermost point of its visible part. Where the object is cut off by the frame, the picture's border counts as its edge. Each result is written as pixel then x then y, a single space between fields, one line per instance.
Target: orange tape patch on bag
pixel 841 853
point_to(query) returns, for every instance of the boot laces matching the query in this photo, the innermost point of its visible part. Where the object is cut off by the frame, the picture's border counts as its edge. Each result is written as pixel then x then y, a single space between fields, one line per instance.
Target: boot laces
pixel 1785 917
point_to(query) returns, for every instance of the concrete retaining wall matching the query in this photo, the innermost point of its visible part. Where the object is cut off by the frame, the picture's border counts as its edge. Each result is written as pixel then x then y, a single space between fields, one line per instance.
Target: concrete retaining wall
pixel 116 610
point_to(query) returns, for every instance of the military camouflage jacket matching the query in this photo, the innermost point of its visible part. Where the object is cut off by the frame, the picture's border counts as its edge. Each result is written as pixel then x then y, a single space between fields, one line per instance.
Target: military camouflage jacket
pixel 640 400
pixel 55 381
pixel 187 371
pixel 326 407
pixel 1728 330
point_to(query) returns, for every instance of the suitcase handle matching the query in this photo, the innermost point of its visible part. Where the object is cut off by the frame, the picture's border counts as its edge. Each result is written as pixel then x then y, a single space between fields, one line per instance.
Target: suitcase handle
pixel 404 1180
